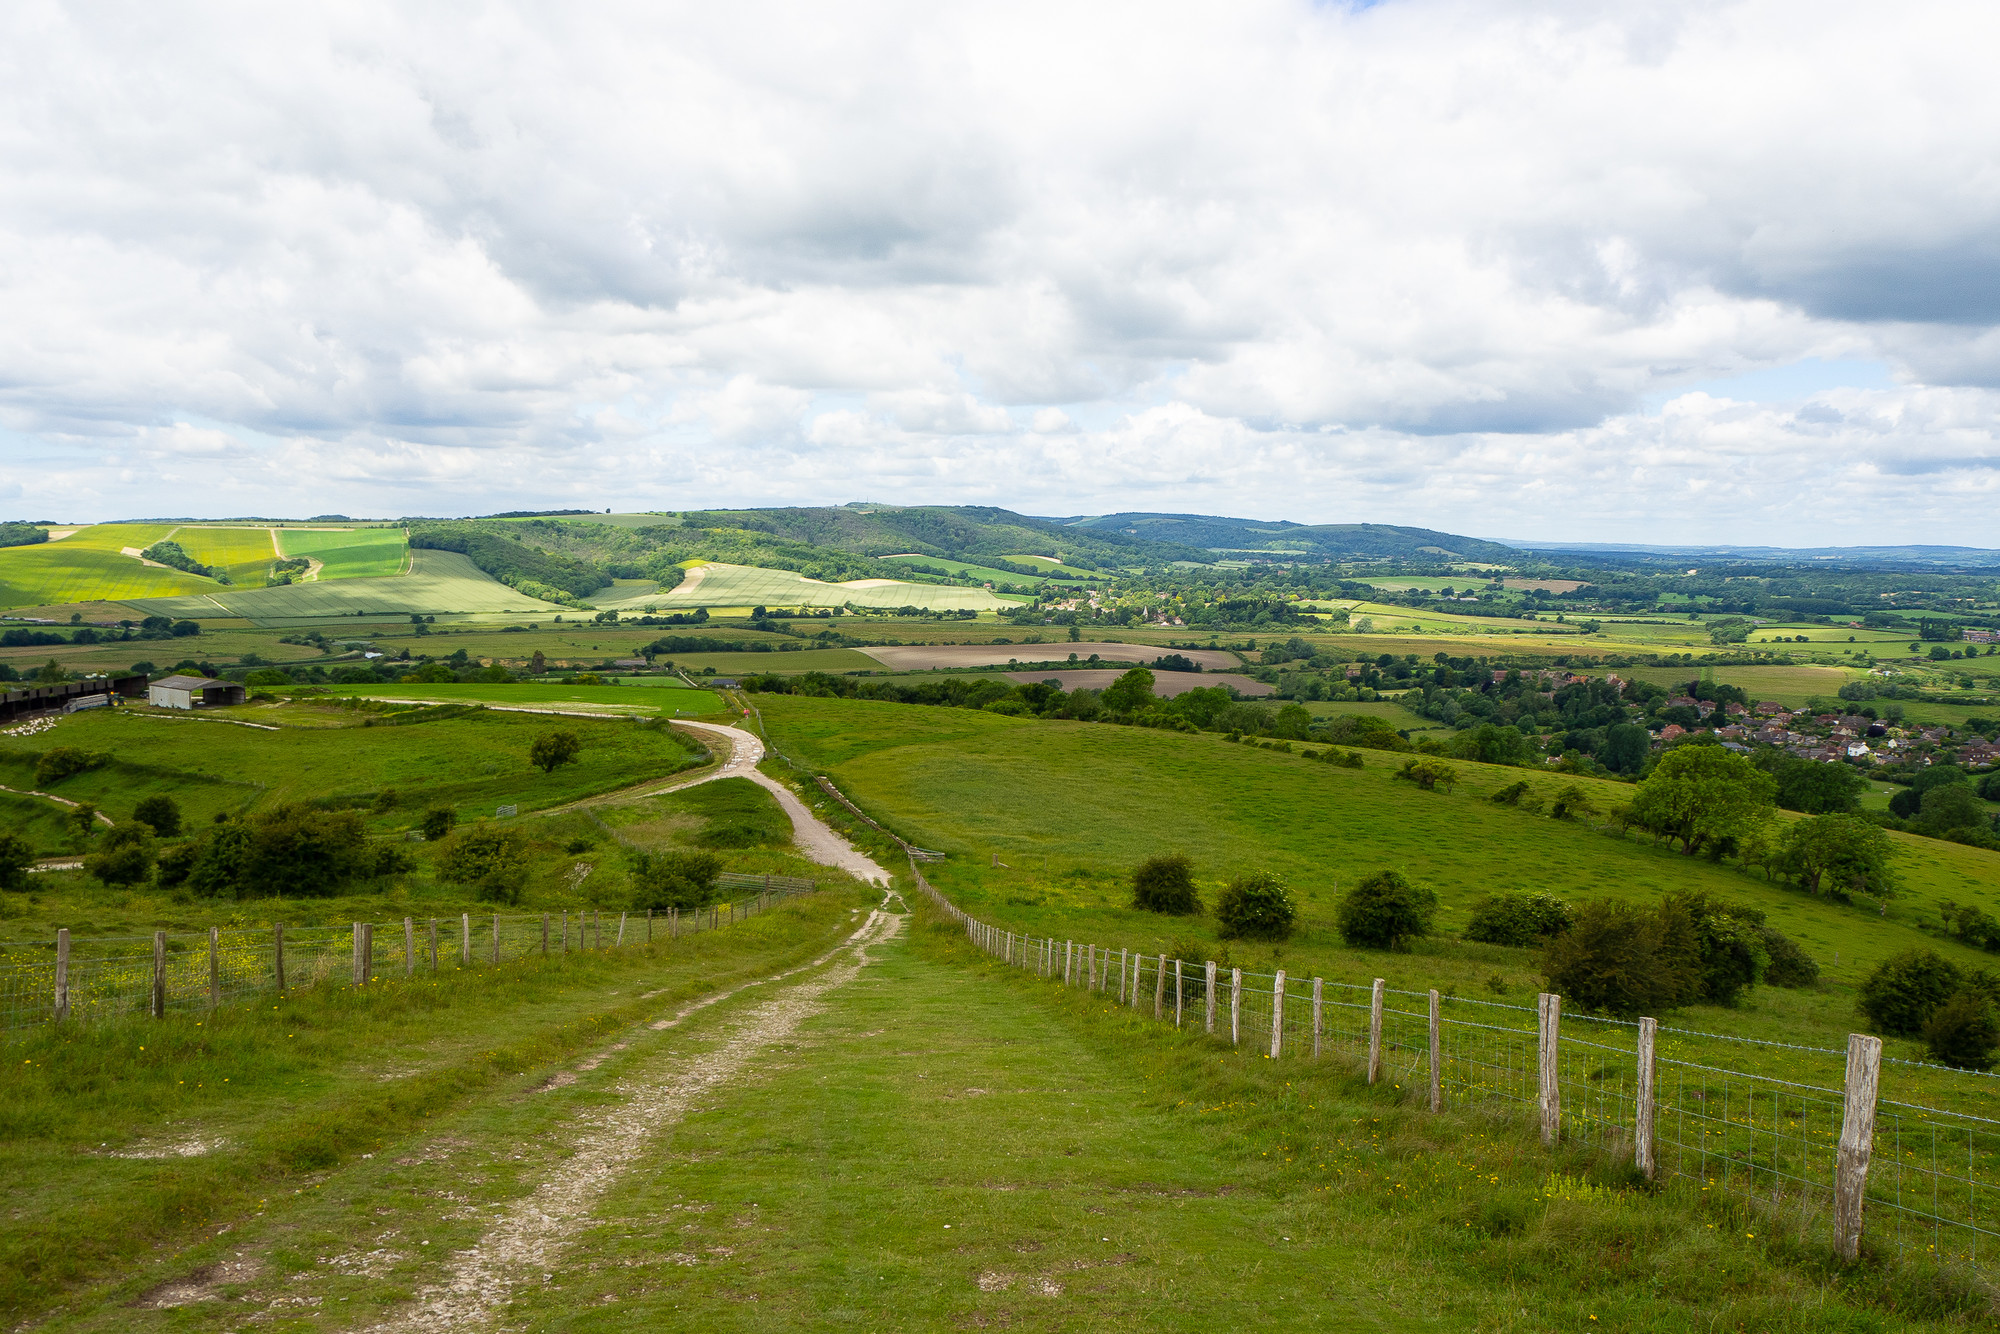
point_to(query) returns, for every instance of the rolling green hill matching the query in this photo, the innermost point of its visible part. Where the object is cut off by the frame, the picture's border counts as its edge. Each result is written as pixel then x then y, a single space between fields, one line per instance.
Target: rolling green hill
pixel 1280 537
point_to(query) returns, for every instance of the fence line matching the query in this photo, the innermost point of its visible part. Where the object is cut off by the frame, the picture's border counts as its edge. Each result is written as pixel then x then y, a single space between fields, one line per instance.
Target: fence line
pixel 174 972
pixel 1817 1158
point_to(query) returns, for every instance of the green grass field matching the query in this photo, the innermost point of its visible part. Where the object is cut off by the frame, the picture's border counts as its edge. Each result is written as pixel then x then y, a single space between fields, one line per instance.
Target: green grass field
pixel 473 763
pixel 718 585
pixel 89 565
pixel 1783 685
pixel 999 578
pixel 439 581
pixel 1068 808
pixel 665 700
pixel 356 553
pixel 244 554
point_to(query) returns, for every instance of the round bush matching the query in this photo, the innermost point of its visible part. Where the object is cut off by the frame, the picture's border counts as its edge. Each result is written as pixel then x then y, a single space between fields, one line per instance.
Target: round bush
pixel 1256 906
pixel 160 812
pixel 1963 1031
pixel 1790 965
pixel 1166 885
pixel 1518 919
pixel 1902 994
pixel 1608 963
pixel 1385 912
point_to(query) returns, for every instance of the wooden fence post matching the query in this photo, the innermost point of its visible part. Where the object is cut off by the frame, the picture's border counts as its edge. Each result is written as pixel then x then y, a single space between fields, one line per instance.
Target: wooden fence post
pixel 1547 1060
pixel 159 975
pixel 1278 1014
pixel 62 974
pixel 214 967
pixel 621 931
pixel 1208 993
pixel 496 937
pixel 1375 1033
pixel 1180 990
pixel 355 961
pixel 465 940
pixel 1437 1056
pixel 278 954
pixel 1069 959
pixel 368 951
pixel 1235 1007
pixel 1644 1105
pixel 1319 995
pixel 1122 955
pixel 1160 988
pixel 649 928
pixel 673 926
pixel 409 947
pixel 1857 1141
pixel 434 945
pixel 545 933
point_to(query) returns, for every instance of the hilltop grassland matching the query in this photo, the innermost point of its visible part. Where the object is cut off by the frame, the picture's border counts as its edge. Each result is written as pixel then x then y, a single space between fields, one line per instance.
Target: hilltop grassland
pixel 356 553
pixel 438 581
pixel 1069 808
pixel 713 584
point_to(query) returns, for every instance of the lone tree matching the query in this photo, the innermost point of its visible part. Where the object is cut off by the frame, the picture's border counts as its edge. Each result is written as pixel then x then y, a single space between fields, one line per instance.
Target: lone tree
pixel 1385 912
pixel 553 750
pixel 677 880
pixel 16 856
pixel 1166 885
pixel 1703 794
pixel 437 822
pixel 1256 906
pixel 1428 773
pixel 1839 853
pixel 162 813
pixel 124 858
pixel 1903 993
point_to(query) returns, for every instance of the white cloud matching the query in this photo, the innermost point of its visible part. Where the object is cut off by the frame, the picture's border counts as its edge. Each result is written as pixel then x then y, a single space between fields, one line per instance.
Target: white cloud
pixel 1423 261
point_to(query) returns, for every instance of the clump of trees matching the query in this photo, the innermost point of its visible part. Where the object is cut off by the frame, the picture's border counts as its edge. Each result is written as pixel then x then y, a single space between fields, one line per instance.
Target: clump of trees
pixel 16 856
pixel 1625 960
pixel 291 851
pixel 1165 884
pixel 1921 993
pixel 1256 906
pixel 1428 773
pixel 491 858
pixel 1385 912
pixel 551 750
pixel 60 762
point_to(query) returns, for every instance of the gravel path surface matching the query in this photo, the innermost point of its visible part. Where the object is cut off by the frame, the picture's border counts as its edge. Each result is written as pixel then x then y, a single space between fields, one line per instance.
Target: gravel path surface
pixel 523 1244
pixel 815 838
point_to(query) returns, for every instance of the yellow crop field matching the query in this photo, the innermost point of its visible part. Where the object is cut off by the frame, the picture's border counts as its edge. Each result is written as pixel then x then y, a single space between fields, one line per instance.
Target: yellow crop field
pixel 244 554
pixel 90 565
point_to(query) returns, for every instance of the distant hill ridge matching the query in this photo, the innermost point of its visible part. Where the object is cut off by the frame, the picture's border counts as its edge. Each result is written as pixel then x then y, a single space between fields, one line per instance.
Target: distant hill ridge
pixel 1214 533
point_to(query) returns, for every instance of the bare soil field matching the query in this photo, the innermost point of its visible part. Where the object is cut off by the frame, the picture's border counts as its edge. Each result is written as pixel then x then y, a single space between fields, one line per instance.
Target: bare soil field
pixel 1165 684
pixel 916 657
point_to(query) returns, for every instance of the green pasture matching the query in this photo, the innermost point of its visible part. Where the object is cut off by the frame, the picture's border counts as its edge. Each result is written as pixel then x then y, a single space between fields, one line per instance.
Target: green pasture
pixel 89 566
pixel 1788 685
pixel 966 569
pixel 439 581
pixel 1058 569
pixel 1068 808
pixel 473 763
pixel 805 660
pixel 244 554
pixel 1397 715
pixel 718 585
pixel 353 553
pixel 665 700
pixel 220 646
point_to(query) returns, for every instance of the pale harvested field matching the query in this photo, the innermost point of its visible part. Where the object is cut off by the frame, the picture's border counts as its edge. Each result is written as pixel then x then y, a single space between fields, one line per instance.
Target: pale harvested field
pixel 917 657
pixel 1165 684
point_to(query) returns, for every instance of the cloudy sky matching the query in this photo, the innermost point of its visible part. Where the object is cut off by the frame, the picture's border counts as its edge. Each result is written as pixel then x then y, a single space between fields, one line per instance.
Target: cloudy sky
pixel 1677 272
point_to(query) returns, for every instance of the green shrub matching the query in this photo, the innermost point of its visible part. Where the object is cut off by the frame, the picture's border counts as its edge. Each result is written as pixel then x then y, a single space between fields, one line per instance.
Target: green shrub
pixel 437 822
pixel 1511 794
pixel 1385 912
pixel 1165 884
pixel 1518 919
pixel 1256 906
pixel 1571 802
pixel 1709 951
pixel 551 750
pixel 16 856
pixel 1790 965
pixel 1963 1031
pixel 162 813
pixel 490 858
pixel 1608 961
pixel 60 762
pixel 124 858
pixel 1906 990
pixel 1428 774
pixel 678 880
pixel 82 821
pixel 1343 759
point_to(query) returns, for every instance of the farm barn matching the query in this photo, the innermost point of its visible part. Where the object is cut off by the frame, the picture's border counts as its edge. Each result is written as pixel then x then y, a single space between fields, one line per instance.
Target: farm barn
pixel 193 692
pixel 40 699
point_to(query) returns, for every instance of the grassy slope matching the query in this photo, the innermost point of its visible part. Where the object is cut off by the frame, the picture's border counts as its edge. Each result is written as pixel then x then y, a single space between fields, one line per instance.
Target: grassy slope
pixel 296 1087
pixel 439 581
pixel 744 586
pixel 1070 807
pixel 358 553
pixel 471 763
pixel 244 554
pixel 662 699
pixel 88 565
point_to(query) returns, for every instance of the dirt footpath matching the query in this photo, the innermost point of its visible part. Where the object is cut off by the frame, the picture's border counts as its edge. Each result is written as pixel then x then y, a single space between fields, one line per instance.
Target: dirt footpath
pixel 815 839
pixel 526 1241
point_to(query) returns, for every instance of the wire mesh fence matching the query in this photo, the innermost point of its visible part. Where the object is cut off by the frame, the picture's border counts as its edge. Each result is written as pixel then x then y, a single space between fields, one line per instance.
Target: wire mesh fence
pixel 108 977
pixel 1800 1133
